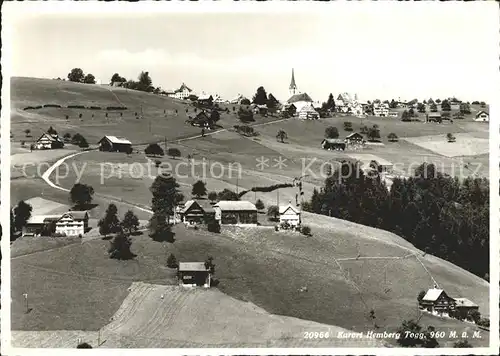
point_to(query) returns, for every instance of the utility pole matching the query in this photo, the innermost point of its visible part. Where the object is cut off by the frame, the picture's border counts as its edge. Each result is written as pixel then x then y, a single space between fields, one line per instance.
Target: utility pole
pixel 278 197
pixel 25 295
pixel 237 188
pixel 165 144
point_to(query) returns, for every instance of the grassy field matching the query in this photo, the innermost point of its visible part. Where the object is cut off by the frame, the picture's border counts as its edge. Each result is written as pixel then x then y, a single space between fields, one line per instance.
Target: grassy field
pixel 341 289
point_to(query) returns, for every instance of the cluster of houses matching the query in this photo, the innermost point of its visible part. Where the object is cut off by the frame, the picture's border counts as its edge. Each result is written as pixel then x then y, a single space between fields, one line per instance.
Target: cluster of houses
pixel 71 223
pixel 107 143
pixel 437 302
pixel 184 92
pixel 229 212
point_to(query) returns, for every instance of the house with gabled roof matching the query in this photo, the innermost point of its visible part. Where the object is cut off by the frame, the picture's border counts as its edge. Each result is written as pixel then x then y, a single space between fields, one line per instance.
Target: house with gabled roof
pixel 354 138
pixel 48 141
pixel 73 223
pixel 242 213
pixel 183 92
pixel 307 112
pixel 196 212
pixel 289 214
pixel 193 274
pixel 437 301
pixel 333 144
pixel 482 116
pixel 115 144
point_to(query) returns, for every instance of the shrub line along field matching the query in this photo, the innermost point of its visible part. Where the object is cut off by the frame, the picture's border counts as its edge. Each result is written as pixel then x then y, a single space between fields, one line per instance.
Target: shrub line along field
pixel 347 268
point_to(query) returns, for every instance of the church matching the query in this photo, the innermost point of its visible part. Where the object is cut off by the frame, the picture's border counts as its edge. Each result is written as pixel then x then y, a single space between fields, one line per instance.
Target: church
pixel 298 99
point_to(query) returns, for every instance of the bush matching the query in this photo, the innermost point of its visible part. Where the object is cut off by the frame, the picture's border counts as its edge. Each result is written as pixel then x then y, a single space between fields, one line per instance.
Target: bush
pixel 285 225
pixel 214 226
pixel 76 107
pixel 172 261
pixel 28 108
pixel 116 108
pixel 94 107
pixel 157 163
pixel 305 230
pixel 52 106
pixel 484 322
pixel 37 107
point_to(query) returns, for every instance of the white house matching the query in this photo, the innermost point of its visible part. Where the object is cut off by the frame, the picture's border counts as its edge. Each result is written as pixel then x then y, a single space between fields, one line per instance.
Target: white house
pixel 183 92
pixel 242 213
pixel 308 112
pixel 381 109
pixel 482 116
pixel 290 215
pixel 73 223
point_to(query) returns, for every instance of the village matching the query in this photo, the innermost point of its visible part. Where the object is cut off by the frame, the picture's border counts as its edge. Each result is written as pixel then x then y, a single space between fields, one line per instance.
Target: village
pixel 243 187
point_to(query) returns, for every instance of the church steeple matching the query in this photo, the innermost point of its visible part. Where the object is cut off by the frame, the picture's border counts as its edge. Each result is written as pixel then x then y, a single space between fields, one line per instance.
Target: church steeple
pixel 293 86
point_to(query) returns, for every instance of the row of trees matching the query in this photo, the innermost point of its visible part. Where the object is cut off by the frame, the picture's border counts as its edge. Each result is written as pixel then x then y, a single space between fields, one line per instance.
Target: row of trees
pixel 261 98
pixel 441 215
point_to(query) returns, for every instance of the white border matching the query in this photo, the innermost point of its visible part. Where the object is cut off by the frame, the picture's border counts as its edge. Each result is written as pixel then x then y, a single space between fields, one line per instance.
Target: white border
pixel 12 10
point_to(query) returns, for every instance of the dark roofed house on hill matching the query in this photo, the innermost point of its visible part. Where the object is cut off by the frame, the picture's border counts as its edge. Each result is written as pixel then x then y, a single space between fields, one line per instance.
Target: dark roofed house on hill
pixel 48 141
pixel 437 301
pixel 193 274
pixel 115 144
pixel 354 138
pixel 196 212
pixel 333 144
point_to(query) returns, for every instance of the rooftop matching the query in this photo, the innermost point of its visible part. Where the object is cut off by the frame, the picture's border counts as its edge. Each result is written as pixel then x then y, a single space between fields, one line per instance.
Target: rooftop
pixel 114 139
pixel 229 205
pixel 464 302
pixel 432 294
pixel 192 267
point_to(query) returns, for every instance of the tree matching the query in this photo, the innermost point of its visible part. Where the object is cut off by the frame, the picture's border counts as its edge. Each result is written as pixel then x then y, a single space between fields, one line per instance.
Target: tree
pixel 464 108
pixel 272 103
pixel 154 149
pixel 22 213
pixel 67 137
pixel 81 194
pixel 273 212
pixel 462 344
pixel 445 105
pixel 281 135
pixel 421 295
pixel 373 133
pixel 83 143
pixel 433 107
pixel 145 82
pixel 174 152
pixel 227 194
pixel 259 204
pixel 120 247
pixel 450 137
pixel 331 132
pixel 76 75
pixel 172 261
pixel 245 101
pixel 260 97
pixel 77 139
pixel 474 315
pixel 392 137
pixel 411 112
pixel 348 126
pixel 410 326
pixel 116 78
pixel 89 79
pixel 393 104
pixel 245 114
pixel 130 222
pixel 165 197
pixel 209 265
pixel 421 107
pixel 84 345
pixel 110 224
pixel 51 131
pixel 199 189
pixel 27 132
pixel 212 196
pixel 214 117
pixel 438 101
pixel 330 103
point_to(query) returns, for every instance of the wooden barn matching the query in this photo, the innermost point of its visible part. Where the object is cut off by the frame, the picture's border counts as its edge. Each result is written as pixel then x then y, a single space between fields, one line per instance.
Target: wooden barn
pixel 354 139
pixel 48 141
pixel 235 213
pixel 115 144
pixel 333 144
pixel 193 274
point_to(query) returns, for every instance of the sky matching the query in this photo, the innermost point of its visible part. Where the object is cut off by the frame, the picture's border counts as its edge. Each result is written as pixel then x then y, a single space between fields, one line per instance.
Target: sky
pixel 384 51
